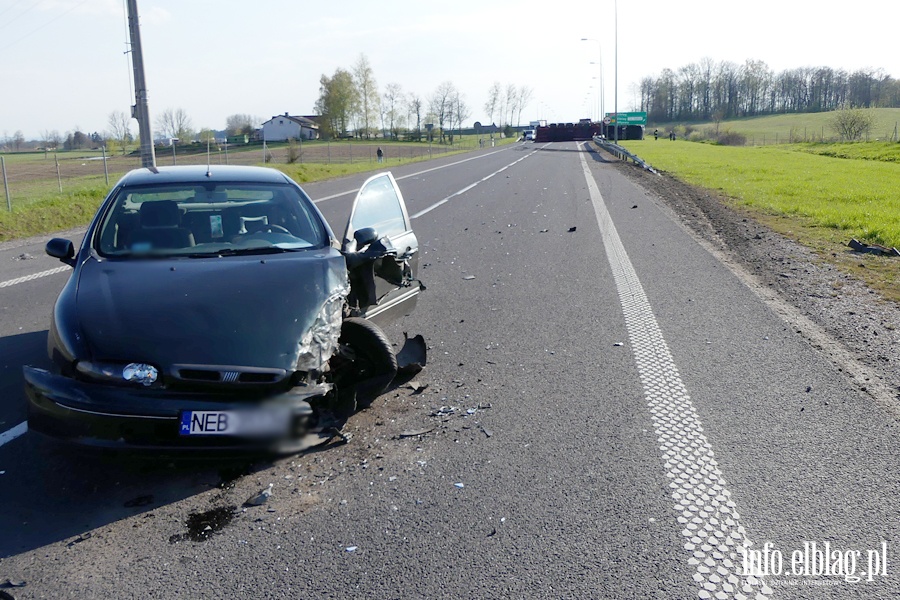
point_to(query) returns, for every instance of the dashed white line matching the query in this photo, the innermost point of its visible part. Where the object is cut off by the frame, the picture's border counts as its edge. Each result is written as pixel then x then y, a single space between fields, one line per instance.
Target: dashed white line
pixel 467 188
pixel 416 174
pixel 703 505
pixel 10 435
pixel 32 277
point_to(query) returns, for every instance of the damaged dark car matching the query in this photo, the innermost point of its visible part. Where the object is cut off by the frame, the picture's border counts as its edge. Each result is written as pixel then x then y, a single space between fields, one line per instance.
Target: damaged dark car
pixel 215 308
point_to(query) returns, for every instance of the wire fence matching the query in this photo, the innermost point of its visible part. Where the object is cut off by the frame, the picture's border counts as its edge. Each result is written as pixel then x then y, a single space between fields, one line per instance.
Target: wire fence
pixel 31 176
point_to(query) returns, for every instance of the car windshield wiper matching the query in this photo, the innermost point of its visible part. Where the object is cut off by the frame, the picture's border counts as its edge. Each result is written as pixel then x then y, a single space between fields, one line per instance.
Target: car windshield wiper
pixel 237 251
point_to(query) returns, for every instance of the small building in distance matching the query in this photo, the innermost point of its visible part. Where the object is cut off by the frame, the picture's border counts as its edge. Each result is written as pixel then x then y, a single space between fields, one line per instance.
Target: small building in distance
pixel 285 127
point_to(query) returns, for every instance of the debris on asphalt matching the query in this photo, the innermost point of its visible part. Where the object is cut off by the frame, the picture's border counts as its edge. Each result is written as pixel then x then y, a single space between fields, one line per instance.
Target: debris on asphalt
pixel 469 277
pixel 79 539
pixel 635 206
pixel 417 387
pixel 24 256
pixel 571 229
pixel 544 230
pixel 260 498
pixel 618 344
pixel 493 532
pixel 12 583
pixel 412 357
pixel 416 432
pixel 351 548
pixel 487 432
pixel 872 248
pixel 460 485
pixel 444 411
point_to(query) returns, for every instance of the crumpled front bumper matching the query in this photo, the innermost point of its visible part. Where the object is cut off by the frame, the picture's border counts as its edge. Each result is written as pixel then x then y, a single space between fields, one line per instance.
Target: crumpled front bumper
pixel 150 419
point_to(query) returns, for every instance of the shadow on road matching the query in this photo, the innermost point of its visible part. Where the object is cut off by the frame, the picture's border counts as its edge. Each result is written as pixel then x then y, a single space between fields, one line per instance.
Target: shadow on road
pixel 51 493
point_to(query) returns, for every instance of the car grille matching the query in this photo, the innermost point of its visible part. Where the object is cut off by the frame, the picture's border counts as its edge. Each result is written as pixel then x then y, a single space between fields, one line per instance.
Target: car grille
pixel 227 375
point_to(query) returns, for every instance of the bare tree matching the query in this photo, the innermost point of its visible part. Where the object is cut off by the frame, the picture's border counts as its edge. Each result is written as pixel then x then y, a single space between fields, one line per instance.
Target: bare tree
pixel 18 139
pixel 493 100
pixel 119 128
pixel 175 123
pixel 415 107
pixel 241 124
pixel 852 123
pixel 367 88
pixel 461 111
pixel 441 104
pixel 393 96
pixel 512 100
pixel 522 99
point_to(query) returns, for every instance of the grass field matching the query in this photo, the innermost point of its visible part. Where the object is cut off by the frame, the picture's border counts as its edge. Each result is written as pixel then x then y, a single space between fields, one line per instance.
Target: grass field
pixel 798 127
pixel 38 205
pixel 803 191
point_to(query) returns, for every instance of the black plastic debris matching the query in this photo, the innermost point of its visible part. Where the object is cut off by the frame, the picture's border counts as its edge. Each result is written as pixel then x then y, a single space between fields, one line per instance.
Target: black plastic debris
pixel 12 583
pixel 6 596
pixel 261 498
pixel 412 356
pixel 571 229
pixel 878 249
pixel 79 539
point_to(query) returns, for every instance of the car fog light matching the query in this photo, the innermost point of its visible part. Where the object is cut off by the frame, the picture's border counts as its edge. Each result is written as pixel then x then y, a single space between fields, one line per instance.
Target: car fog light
pixel 140 373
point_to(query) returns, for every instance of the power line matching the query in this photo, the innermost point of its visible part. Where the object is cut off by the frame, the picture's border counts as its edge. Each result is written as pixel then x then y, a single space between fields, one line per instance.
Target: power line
pixel 21 14
pixel 36 29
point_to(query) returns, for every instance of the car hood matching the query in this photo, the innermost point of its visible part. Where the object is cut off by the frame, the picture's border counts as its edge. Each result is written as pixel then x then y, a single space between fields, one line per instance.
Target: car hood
pixel 240 310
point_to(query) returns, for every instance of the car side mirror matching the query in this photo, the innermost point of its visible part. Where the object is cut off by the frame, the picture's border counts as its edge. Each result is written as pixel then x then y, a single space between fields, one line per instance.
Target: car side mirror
pixel 365 236
pixel 62 249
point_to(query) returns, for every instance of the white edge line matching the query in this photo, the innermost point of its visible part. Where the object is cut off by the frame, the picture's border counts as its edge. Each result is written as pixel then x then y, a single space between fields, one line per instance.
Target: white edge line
pixel 10 435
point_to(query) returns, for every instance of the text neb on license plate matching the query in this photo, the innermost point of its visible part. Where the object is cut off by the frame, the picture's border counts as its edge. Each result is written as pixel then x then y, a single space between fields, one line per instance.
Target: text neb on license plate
pixel 259 422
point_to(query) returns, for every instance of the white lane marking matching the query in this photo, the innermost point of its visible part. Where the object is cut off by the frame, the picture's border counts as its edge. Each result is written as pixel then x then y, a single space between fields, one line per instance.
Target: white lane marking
pixel 10 435
pixel 10 282
pixel 425 211
pixel 416 174
pixel 705 510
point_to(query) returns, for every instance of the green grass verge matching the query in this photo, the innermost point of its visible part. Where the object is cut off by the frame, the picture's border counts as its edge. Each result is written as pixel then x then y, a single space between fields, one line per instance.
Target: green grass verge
pixel 817 199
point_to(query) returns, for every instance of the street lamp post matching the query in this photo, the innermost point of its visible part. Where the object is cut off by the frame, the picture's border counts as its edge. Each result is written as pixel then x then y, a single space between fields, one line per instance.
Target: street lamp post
pixel 616 59
pixel 599 63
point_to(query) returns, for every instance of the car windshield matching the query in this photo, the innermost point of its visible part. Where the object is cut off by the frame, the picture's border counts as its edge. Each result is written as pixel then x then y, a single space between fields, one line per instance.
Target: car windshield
pixel 202 219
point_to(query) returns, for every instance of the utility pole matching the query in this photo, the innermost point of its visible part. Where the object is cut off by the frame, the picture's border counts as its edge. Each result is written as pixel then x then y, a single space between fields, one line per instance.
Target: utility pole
pixel 140 110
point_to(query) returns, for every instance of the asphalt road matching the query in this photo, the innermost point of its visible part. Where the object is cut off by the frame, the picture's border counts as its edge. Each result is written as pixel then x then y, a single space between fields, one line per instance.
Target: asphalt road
pixel 610 413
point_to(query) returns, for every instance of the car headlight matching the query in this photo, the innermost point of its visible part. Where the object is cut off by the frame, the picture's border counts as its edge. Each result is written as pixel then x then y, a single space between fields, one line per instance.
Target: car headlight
pixel 140 373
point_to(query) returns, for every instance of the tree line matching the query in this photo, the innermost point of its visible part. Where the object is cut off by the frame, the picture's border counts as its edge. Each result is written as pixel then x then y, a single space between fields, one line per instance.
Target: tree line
pixel 350 101
pixel 710 90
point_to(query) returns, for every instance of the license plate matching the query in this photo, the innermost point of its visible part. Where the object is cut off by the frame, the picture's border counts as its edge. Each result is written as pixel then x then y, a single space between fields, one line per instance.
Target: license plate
pixel 260 422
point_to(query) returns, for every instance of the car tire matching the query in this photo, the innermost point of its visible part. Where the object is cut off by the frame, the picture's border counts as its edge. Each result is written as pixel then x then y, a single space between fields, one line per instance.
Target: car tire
pixel 375 363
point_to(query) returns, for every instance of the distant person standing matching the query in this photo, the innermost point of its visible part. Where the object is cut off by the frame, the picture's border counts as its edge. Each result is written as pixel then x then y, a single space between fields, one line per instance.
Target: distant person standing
pixel 380 154
pixel 656 134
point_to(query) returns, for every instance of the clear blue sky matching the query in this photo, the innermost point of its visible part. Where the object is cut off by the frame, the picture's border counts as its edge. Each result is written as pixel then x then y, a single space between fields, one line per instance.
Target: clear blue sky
pixel 62 63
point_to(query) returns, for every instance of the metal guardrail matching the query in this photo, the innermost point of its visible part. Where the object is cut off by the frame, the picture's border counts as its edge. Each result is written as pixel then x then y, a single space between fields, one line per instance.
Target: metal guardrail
pixel 622 153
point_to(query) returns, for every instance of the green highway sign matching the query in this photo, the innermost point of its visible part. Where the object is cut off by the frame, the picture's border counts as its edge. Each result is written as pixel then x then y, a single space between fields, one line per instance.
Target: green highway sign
pixel 628 118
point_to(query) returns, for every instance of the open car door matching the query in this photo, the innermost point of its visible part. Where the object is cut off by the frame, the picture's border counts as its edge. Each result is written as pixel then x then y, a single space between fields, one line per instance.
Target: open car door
pixel 382 253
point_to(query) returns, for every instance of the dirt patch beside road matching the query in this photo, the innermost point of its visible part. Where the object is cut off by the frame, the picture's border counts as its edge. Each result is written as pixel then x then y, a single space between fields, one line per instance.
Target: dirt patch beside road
pixel 855 317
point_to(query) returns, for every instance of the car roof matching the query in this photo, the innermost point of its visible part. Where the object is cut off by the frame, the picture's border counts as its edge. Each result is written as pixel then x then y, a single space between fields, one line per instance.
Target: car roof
pixel 189 173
